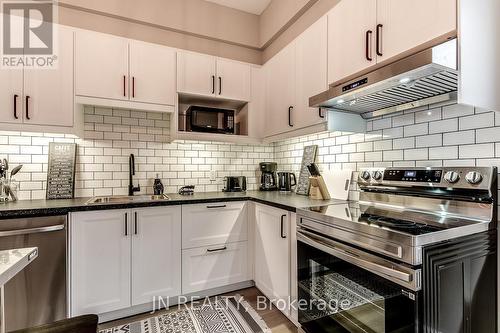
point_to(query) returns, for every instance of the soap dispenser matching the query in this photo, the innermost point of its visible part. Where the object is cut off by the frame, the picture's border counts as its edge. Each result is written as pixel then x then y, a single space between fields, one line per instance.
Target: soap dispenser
pixel 158 186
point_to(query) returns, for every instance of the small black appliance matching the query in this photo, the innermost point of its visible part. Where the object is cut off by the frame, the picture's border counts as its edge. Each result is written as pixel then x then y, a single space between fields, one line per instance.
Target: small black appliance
pixel 268 178
pixel 212 120
pixel 286 180
pixel 235 184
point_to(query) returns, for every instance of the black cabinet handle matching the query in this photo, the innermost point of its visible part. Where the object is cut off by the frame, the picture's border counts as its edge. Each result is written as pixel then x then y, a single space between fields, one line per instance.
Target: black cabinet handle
pixel 124 85
pixel 126 224
pixel 15 106
pixel 28 107
pixel 213 84
pixel 216 250
pixel 282 226
pixel 220 85
pixel 133 86
pixel 290 108
pixel 321 115
pixel 218 206
pixel 367 46
pixel 379 39
pixel 135 223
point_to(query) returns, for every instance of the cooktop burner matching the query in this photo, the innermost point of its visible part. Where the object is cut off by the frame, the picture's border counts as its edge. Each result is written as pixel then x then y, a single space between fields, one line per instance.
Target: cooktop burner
pixel 407 226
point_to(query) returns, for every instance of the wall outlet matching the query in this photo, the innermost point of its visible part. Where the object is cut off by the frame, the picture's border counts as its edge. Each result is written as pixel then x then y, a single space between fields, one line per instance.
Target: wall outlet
pixel 213 175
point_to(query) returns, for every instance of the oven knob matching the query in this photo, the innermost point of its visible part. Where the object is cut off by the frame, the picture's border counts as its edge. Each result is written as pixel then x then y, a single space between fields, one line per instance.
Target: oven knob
pixel 452 177
pixel 377 175
pixel 365 175
pixel 473 177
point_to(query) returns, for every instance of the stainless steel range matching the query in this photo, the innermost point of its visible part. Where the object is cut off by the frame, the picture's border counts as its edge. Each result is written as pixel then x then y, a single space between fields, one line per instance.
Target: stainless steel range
pixel 387 256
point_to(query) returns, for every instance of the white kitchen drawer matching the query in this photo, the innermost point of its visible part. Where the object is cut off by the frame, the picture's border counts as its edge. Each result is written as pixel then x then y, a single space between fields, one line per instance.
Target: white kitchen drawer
pixel 214 266
pixel 213 223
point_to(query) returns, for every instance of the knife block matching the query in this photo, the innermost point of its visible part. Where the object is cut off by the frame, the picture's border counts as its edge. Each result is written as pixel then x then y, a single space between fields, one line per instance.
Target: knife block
pixel 318 188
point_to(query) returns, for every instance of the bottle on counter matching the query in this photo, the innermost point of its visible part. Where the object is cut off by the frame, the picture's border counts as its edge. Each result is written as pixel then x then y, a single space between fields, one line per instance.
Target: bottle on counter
pixel 158 186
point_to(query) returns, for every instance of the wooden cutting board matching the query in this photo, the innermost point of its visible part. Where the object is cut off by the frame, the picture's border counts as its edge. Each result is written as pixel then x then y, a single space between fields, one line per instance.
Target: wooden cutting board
pixel 338 183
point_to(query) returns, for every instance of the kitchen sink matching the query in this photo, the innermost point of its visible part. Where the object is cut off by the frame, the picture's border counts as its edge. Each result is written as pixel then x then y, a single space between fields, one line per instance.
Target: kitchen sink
pixel 126 199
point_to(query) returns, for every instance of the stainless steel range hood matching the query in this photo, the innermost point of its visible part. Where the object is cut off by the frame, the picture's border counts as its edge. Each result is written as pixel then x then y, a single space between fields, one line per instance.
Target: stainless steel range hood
pixel 427 77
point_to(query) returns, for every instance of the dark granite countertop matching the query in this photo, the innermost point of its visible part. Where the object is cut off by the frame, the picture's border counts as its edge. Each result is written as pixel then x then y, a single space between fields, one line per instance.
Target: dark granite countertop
pixel 32 208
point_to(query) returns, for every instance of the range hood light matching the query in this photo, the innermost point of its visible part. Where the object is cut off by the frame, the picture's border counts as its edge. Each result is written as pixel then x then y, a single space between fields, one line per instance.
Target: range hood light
pixel 340 101
pixel 404 80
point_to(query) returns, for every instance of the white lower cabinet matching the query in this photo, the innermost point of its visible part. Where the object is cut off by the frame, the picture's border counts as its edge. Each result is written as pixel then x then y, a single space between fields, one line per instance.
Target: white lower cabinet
pixel 121 258
pixel 156 254
pixel 272 254
pixel 214 266
pixel 213 223
pixel 100 261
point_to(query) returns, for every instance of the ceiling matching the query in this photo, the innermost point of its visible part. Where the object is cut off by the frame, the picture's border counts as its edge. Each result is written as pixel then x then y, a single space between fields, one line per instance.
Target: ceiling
pixel 249 6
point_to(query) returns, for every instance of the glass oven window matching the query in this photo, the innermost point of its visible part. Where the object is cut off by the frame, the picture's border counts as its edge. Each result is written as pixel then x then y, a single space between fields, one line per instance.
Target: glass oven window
pixel 336 296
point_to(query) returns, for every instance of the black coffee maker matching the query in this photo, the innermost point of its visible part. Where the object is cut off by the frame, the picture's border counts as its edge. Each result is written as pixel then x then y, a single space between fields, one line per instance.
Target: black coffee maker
pixel 268 178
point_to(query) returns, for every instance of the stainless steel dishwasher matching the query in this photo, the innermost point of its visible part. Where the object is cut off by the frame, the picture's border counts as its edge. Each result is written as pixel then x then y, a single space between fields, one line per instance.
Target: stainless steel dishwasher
pixel 37 295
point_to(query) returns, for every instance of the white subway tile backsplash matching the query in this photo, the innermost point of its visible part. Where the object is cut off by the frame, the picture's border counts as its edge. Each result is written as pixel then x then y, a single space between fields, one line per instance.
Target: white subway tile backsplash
pixel 428 115
pixel 449 125
pixel 432 140
pixel 458 138
pixel 450 135
pixel 457 110
pixel 491 134
pixel 416 154
pixel 484 150
pixel 404 143
pixel 477 121
pixel 442 153
pixel 414 130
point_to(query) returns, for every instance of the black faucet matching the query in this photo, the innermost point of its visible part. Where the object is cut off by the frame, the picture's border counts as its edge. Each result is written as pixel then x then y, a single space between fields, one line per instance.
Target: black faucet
pixel 131 164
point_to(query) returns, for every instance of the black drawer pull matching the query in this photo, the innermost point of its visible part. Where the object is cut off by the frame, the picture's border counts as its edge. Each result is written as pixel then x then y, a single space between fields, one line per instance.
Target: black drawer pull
pixel 126 224
pixel 135 223
pixel 282 226
pixel 218 206
pixel 368 54
pixel 379 39
pixel 217 250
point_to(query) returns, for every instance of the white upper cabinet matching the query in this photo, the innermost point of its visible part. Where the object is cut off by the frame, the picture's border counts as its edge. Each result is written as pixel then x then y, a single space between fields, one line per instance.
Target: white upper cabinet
pixel 152 73
pixel 11 95
pixel 156 253
pixel 296 73
pixel 405 24
pixel 310 71
pixel 280 87
pixel 196 74
pixel 233 80
pixel 204 75
pixel 101 65
pixel 479 54
pixel 41 96
pixel 351 38
pixel 48 93
pixel 114 71
pixel 362 33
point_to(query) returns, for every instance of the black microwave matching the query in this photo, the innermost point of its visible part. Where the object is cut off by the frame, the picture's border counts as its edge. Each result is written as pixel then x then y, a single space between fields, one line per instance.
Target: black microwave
pixel 212 120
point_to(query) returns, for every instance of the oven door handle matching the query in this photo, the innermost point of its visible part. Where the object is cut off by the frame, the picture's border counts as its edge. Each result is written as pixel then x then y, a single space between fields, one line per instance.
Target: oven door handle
pixel 381 267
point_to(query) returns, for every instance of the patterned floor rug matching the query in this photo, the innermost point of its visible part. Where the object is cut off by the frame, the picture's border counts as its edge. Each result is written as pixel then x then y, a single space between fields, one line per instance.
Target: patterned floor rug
pixel 217 315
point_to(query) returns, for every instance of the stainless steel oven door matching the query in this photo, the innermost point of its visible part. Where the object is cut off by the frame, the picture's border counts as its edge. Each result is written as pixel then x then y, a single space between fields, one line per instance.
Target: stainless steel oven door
pixel 344 289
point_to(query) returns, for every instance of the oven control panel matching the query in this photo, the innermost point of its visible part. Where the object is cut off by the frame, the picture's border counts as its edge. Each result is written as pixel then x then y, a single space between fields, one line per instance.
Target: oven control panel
pixel 427 176
pixel 449 177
